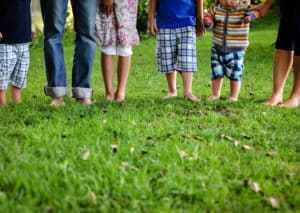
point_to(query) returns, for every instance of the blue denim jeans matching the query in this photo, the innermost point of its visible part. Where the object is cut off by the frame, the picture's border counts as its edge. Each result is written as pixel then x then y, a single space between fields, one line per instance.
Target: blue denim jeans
pixel 54 17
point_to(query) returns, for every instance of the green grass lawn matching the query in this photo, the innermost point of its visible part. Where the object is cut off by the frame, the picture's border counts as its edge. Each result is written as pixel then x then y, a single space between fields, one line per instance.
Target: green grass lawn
pixel 170 155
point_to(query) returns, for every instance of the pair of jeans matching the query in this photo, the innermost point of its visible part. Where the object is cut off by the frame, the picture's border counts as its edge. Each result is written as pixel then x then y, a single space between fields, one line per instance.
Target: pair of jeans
pixel 54 14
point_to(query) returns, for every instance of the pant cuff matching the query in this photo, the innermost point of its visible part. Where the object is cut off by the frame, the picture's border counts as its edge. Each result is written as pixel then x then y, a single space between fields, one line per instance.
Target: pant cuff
pixel 80 92
pixel 55 92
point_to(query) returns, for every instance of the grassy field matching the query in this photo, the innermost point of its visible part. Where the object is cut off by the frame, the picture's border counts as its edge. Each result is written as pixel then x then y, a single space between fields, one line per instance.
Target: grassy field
pixel 150 154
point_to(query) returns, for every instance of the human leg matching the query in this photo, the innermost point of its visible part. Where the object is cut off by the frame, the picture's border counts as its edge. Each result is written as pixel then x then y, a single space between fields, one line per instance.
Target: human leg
pixel 186 59
pixel 166 58
pixel 16 94
pixel 216 86
pixel 3 102
pixel 7 63
pixel 187 78
pixel 283 60
pixel 234 68
pixel 123 72
pixel 54 16
pixel 107 65
pixel 293 100
pixel 19 74
pixel 172 88
pixel 235 87
pixel 217 73
pixel 84 24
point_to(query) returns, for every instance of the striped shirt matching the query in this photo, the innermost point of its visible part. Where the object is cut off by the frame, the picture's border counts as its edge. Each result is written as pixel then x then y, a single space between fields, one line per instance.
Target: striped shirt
pixel 230 33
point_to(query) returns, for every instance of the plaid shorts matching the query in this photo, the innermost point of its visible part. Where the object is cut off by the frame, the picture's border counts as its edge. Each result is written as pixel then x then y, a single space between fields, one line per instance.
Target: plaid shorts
pixel 229 64
pixel 176 50
pixel 14 64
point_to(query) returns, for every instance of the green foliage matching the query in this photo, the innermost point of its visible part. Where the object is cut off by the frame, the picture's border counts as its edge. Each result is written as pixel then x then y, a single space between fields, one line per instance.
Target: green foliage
pixel 59 159
pixel 142 18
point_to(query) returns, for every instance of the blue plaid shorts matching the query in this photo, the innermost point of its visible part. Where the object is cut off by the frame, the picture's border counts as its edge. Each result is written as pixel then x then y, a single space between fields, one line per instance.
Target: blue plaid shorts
pixel 176 50
pixel 229 64
pixel 14 64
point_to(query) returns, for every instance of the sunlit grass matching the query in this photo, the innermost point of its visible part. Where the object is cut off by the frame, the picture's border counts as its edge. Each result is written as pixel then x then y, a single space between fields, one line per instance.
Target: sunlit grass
pixel 168 156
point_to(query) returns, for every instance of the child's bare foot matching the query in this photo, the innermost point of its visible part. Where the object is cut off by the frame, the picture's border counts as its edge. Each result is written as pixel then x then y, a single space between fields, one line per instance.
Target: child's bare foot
pixel 119 97
pixel 170 95
pixel 232 99
pixel 110 98
pixel 273 100
pixel 4 105
pixel 59 101
pixel 290 103
pixel 192 98
pixel 213 98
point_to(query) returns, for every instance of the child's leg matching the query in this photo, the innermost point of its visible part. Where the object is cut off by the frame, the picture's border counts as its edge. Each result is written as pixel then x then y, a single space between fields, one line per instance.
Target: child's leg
pixel 107 65
pixel 235 87
pixel 216 86
pixel 293 100
pixel 171 80
pixel 123 72
pixel 283 61
pixel 16 94
pixel 3 98
pixel 187 78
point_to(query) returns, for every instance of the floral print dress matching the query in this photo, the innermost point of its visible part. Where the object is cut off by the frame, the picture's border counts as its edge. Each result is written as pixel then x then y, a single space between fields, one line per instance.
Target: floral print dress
pixel 119 28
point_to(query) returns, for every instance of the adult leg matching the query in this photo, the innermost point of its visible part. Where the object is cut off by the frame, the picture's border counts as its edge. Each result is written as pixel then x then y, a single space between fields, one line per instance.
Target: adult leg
pixel 54 16
pixel 123 72
pixel 293 100
pixel 171 80
pixel 283 61
pixel 85 46
pixel 216 86
pixel 107 65
pixel 3 98
pixel 187 78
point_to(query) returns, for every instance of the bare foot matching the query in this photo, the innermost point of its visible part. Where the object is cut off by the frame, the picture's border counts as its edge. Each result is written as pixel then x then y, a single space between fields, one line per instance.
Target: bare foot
pixel 232 99
pixel 273 100
pixel 59 101
pixel 4 105
pixel 110 98
pixel 192 98
pixel 170 95
pixel 119 98
pixel 85 101
pixel 213 98
pixel 290 103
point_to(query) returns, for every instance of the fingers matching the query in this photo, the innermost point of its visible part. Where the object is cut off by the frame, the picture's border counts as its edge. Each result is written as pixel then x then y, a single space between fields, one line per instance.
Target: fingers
pixel 107 7
pixel 247 19
pixel 200 31
pixel 152 29
pixel 109 10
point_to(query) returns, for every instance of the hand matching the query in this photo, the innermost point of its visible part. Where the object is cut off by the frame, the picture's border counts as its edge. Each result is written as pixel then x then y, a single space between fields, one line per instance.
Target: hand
pixel 200 30
pixel 263 7
pixel 247 19
pixel 33 34
pixel 108 6
pixel 1 36
pixel 207 21
pixel 152 27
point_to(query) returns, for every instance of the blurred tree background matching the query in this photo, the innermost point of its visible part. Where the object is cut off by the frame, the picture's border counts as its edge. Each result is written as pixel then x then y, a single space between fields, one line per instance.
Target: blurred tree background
pixel 141 20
